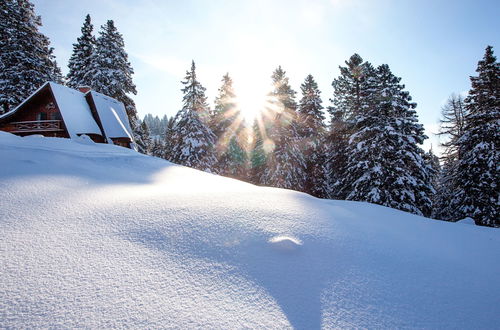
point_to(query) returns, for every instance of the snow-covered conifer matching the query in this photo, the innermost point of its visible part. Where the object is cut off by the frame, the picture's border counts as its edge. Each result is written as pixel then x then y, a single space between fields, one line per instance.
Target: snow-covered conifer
pixel 285 166
pixel 110 71
pixel 143 139
pixel 312 131
pixel 478 168
pixel 80 61
pixel 385 164
pixel 350 96
pixel 191 140
pixel 158 148
pixel 26 59
pixel 259 150
pixel 228 127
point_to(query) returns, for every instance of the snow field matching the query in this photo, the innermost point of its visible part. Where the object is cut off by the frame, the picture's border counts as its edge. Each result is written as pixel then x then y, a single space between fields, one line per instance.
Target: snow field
pixel 100 236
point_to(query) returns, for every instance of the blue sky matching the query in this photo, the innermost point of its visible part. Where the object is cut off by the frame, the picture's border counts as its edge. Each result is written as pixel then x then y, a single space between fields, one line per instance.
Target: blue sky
pixel 433 45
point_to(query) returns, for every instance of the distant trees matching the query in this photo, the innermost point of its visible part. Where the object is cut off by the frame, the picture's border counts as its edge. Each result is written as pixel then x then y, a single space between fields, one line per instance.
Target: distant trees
pixel 26 58
pixel 157 126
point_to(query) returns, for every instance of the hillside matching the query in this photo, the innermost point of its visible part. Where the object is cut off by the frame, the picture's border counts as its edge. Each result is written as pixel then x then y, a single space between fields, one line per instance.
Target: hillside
pixel 101 236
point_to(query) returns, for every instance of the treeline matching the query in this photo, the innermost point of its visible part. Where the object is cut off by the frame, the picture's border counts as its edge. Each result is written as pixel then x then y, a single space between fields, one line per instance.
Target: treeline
pixel 370 150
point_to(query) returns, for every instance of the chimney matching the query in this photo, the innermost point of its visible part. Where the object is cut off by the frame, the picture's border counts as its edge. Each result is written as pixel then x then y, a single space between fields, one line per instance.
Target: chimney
pixel 84 89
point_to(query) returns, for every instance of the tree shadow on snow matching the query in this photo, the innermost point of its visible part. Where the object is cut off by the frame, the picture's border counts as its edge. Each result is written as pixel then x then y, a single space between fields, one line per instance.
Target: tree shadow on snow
pixel 295 275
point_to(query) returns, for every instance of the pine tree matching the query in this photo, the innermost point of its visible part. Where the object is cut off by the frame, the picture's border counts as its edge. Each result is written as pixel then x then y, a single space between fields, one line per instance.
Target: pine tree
pixel 227 125
pixel 110 72
pixel 192 141
pixel 26 58
pixel 312 131
pixel 479 156
pixel 80 62
pixel 285 166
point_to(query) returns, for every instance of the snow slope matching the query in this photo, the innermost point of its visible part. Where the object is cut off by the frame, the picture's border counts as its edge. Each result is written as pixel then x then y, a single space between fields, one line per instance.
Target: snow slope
pixel 101 236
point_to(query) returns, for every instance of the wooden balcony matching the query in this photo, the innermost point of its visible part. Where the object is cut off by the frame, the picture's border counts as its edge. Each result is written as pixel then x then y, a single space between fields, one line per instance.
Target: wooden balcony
pixel 37 126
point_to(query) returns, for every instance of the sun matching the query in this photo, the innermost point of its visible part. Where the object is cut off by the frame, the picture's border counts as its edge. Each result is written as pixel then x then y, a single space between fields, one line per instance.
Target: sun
pixel 251 97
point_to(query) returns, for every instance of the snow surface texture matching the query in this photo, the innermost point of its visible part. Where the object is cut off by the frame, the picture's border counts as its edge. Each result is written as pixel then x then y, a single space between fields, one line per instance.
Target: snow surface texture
pixel 100 236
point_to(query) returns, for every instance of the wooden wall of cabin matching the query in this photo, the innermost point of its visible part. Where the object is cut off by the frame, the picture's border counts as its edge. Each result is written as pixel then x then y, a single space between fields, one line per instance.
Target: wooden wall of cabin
pixel 40 107
pixel 122 142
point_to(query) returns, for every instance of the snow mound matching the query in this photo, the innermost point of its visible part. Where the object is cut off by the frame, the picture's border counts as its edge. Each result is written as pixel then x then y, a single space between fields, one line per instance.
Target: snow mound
pixel 467 221
pixel 285 243
pixel 100 236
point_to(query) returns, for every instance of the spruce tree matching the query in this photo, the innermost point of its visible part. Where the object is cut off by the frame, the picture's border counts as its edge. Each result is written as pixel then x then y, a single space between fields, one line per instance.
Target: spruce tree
pixel 168 141
pixel 478 193
pixel 110 73
pixel 259 150
pixel 434 170
pixel 80 62
pixel 445 200
pixel 143 140
pixel 158 148
pixel 26 58
pixel 312 131
pixel 285 166
pixel 227 125
pixel 191 141
pixel 350 97
pixel 384 163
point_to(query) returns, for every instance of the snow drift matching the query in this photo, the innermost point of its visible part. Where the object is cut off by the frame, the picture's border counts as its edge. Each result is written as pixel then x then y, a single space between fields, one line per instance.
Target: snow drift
pixel 101 236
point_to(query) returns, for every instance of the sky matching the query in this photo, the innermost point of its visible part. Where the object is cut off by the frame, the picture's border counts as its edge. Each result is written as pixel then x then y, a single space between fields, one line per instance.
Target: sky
pixel 433 45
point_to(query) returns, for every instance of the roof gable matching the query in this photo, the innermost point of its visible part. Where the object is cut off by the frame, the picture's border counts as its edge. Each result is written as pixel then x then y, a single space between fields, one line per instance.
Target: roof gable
pixel 113 116
pixel 75 111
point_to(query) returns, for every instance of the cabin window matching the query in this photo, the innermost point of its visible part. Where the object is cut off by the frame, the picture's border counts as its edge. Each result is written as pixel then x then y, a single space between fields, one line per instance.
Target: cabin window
pixel 55 116
pixel 41 116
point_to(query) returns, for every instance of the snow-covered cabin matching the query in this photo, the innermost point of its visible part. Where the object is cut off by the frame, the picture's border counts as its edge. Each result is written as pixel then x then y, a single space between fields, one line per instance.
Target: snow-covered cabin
pixel 59 111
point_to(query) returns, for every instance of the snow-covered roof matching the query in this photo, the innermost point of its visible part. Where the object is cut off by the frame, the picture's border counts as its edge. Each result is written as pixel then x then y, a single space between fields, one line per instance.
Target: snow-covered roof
pixel 75 111
pixel 114 119
pixel 77 114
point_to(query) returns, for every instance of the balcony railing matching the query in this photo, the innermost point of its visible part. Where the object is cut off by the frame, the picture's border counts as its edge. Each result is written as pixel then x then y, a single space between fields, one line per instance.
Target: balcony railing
pixel 37 126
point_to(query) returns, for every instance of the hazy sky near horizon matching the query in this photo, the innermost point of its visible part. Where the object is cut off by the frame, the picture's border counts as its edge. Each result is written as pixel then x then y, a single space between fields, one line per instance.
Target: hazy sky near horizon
pixel 433 45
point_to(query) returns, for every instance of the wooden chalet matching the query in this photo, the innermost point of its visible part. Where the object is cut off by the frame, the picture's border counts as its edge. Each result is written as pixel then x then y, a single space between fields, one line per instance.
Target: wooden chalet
pixel 59 111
